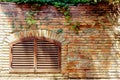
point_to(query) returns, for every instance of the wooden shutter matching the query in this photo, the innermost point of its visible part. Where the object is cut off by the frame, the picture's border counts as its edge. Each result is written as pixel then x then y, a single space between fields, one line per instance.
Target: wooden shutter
pixel 48 59
pixel 35 55
pixel 23 56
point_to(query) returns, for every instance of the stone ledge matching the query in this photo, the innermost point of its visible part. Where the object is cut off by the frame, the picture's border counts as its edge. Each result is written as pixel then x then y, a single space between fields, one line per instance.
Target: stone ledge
pixel 32 78
pixel 31 75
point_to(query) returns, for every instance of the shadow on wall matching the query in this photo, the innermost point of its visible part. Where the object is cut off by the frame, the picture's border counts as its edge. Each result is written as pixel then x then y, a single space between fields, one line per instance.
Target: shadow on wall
pixel 95 57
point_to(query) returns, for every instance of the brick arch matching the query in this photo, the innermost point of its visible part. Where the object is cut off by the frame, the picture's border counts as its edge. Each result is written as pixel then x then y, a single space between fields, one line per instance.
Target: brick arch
pixel 47 34
pixel 41 34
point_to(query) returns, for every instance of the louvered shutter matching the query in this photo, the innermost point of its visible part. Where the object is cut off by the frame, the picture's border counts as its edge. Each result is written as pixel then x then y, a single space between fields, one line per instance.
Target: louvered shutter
pixel 23 56
pixel 35 55
pixel 48 59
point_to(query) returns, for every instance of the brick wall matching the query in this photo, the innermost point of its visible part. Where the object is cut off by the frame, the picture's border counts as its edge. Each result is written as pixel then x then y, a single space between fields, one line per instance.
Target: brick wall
pixel 89 54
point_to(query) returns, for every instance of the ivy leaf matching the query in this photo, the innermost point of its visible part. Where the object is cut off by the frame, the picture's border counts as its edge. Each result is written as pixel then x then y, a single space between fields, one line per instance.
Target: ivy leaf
pixel 67 17
pixel 59 31
pixel 74 27
pixel 66 13
pixel 13 26
pixel 95 1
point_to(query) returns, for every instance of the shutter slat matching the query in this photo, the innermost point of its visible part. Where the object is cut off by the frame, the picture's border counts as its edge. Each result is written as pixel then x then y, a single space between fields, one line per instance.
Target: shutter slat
pixel 22 67
pixel 50 62
pixel 23 55
pixel 23 48
pixel 20 60
pixel 47 52
pixel 29 62
pixel 22 45
pixel 26 52
pixel 48 56
pixel 47 46
pixel 28 46
pixel 47 59
pixel 45 66
pixel 47 49
pixel 23 64
pixel 48 67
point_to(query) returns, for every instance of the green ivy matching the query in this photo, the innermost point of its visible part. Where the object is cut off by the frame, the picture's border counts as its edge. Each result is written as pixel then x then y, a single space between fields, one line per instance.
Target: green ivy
pixel 62 6
pixel 30 18
pixel 55 2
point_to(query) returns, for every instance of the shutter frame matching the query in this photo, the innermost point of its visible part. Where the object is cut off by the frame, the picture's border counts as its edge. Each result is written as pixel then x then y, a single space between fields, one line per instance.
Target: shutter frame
pixel 36 70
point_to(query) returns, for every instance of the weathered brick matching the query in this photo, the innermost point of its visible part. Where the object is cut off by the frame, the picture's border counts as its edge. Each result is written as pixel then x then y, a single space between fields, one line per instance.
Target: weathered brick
pixel 90 53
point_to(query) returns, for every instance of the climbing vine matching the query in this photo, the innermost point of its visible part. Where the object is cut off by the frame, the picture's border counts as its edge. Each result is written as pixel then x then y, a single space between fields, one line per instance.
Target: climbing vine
pixel 30 18
pixel 60 2
pixel 61 5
